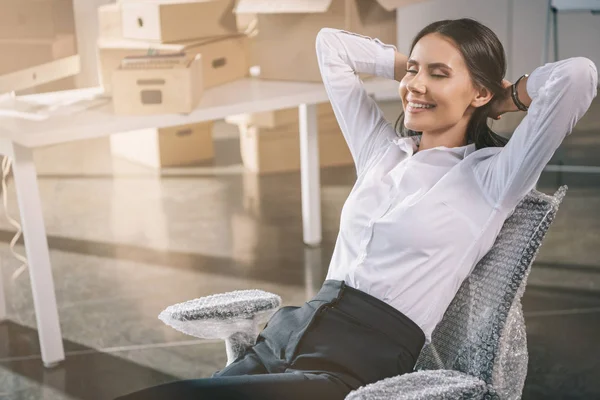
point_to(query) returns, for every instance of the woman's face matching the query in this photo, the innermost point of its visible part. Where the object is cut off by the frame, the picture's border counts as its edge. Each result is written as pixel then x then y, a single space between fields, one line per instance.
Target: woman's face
pixel 438 76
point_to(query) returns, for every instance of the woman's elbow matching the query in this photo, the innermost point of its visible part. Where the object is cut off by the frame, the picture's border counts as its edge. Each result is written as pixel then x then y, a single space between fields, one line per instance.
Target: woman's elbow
pixel 583 76
pixel 324 38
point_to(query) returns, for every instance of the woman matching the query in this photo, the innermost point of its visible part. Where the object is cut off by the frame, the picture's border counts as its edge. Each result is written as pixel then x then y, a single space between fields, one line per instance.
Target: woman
pixel 426 206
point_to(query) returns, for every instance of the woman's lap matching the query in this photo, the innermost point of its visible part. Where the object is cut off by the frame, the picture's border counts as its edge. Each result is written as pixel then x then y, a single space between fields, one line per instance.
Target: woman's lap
pixel 247 378
pixel 339 341
pixel 267 386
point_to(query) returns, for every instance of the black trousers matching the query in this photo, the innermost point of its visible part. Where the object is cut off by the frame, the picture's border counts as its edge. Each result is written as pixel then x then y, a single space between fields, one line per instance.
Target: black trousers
pixel 340 340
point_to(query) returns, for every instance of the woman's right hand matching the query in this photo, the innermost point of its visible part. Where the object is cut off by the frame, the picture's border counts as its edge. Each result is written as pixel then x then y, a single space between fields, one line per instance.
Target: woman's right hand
pixel 503 103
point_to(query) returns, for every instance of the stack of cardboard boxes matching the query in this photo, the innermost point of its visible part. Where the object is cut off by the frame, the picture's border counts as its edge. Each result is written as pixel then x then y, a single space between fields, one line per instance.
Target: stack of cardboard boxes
pixel 34 32
pixel 139 36
pixel 283 46
pixel 158 57
pixel 284 42
pixel 269 141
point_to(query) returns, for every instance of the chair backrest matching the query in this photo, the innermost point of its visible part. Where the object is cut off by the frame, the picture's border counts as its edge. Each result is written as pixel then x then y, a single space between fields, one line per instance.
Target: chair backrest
pixel 482 332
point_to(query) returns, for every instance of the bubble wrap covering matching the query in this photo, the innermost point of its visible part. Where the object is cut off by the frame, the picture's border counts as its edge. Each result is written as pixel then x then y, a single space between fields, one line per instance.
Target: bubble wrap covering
pixel 482 333
pixel 439 384
pixel 234 317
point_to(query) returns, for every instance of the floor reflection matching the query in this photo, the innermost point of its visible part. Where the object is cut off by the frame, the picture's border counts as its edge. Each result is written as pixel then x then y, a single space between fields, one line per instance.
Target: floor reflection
pixel 86 373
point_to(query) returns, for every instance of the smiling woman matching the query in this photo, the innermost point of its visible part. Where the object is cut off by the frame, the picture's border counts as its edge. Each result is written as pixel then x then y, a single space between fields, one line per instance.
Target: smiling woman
pixel 457 67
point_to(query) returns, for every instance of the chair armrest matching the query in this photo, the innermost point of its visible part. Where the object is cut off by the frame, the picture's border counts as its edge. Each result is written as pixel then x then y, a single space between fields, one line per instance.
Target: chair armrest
pixel 222 315
pixel 423 385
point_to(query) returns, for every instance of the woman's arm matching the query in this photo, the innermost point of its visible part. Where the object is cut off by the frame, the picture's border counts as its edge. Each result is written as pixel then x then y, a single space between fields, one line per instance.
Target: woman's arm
pixel 342 56
pixel 399 66
pixel 558 95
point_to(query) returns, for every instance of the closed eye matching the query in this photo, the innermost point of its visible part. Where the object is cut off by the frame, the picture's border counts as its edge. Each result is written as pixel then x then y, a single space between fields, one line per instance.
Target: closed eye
pixel 411 71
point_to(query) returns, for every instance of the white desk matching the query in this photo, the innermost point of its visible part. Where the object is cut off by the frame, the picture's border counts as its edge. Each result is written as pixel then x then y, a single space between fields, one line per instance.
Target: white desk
pixel 85 114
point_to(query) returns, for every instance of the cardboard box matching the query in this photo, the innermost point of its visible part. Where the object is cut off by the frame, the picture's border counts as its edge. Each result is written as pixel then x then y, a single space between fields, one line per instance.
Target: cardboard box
pixel 68 83
pixel 284 46
pixel 166 22
pixel 28 19
pixel 158 88
pixel 27 53
pixel 274 119
pixel 109 21
pixel 224 59
pixel 272 150
pixel 166 147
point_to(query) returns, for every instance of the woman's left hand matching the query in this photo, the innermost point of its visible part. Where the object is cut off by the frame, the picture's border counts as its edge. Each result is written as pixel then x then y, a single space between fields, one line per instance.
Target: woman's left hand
pixel 502 104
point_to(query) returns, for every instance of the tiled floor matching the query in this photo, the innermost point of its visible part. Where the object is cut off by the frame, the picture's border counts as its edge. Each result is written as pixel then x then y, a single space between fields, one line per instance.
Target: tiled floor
pixel 126 242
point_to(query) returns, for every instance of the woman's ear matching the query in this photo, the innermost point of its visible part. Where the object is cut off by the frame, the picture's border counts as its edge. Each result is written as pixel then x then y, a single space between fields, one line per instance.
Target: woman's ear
pixel 482 96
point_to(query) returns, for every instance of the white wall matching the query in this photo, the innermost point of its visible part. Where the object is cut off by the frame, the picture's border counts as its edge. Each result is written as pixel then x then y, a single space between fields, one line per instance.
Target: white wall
pixel 519 24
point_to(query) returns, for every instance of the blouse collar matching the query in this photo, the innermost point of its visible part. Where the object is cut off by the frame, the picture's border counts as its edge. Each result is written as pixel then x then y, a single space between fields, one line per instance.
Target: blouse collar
pixel 413 143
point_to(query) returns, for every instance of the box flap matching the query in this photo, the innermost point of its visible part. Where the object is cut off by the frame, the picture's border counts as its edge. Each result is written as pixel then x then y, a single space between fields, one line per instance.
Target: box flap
pixel 156 61
pixel 175 47
pixel 393 4
pixel 105 43
pixel 202 42
pixel 281 6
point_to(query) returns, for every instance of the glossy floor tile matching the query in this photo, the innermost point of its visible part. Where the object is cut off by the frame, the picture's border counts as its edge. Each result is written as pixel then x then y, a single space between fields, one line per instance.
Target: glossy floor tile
pixel 562 335
pixel 127 241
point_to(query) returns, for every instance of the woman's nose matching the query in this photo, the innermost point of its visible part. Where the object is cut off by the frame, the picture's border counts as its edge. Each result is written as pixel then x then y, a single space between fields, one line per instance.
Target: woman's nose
pixel 416 84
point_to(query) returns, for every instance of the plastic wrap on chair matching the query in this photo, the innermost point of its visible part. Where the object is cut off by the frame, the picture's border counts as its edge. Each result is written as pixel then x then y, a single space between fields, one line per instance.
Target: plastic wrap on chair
pixel 482 333
pixel 423 385
pixel 511 362
pixel 221 315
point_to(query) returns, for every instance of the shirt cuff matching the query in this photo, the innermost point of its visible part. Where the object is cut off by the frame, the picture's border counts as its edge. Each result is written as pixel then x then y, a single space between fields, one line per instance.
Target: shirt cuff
pixel 538 78
pixel 385 56
pixel 386 60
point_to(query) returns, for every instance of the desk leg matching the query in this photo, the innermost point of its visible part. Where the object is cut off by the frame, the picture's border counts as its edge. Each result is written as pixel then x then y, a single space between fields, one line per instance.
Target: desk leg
pixel 2 297
pixel 5 150
pixel 309 173
pixel 36 247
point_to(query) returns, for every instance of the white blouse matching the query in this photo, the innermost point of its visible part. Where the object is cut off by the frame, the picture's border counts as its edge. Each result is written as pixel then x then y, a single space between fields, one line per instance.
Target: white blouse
pixel 415 225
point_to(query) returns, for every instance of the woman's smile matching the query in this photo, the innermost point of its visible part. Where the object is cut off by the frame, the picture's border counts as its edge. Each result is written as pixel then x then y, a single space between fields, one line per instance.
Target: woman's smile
pixel 415 108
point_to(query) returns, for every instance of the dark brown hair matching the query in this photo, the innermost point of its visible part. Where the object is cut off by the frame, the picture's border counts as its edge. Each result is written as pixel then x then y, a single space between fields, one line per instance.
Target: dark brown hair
pixel 484 55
